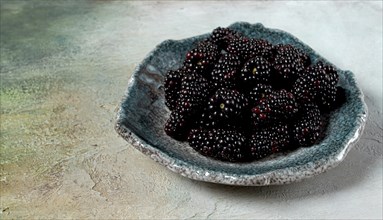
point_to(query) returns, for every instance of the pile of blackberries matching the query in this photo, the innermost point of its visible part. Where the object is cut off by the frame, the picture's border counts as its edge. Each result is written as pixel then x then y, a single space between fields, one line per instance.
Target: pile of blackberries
pixel 241 99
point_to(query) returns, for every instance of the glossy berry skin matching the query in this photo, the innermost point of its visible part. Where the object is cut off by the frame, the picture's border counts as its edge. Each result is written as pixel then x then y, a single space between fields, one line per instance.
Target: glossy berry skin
pixel 193 94
pixel 220 144
pixel 247 48
pixel 258 92
pixel 201 59
pixel 255 70
pixel 317 85
pixel 307 127
pixel 178 126
pixel 227 106
pixel 269 140
pixel 279 106
pixel 172 86
pixel 222 36
pixel 224 74
pixel 288 62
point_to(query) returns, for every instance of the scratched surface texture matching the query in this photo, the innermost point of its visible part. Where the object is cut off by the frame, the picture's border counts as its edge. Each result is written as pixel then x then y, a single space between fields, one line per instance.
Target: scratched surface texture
pixel 65 66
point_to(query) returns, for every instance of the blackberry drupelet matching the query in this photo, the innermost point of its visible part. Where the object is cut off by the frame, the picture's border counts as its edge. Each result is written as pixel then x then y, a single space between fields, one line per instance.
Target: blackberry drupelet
pixel 178 126
pixel 172 86
pixel 288 63
pixel 201 59
pixel 227 106
pixel 224 73
pixel 307 127
pixel 269 140
pixel 258 92
pixel 280 105
pixel 317 84
pixel 256 70
pixel 222 36
pixel 225 145
pixel 262 48
pixel 193 95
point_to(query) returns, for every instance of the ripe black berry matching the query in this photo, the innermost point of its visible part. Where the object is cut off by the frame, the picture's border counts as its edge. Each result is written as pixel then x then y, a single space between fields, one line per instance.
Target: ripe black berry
pixel 225 71
pixel 225 145
pixel 288 63
pixel 222 36
pixel 258 92
pixel 172 84
pixel 256 70
pixel 280 105
pixel 227 106
pixel 269 140
pixel 317 84
pixel 201 59
pixel 193 94
pixel 306 129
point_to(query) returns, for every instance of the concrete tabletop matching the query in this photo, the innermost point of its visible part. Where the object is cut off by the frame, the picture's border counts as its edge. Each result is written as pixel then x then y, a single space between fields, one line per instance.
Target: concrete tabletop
pixel 65 66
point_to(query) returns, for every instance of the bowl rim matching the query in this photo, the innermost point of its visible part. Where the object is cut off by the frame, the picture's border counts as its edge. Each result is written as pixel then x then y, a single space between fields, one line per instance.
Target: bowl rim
pixel 275 177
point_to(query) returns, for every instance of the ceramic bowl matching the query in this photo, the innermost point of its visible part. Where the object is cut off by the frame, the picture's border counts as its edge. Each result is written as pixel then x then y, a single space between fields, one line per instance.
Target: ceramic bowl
pixel 142 115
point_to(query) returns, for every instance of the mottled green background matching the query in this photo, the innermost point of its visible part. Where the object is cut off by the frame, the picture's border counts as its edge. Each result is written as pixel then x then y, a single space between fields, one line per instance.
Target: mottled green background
pixel 65 65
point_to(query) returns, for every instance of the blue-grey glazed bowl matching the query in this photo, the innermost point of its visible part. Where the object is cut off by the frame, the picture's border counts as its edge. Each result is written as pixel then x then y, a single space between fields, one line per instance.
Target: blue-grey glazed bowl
pixel 142 115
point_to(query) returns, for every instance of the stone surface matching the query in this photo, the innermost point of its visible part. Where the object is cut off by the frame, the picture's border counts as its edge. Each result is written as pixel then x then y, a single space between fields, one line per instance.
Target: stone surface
pixel 65 66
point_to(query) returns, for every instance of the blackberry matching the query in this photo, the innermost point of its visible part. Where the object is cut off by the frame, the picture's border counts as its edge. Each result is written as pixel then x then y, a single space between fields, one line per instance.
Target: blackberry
pixel 247 48
pixel 193 94
pixel 201 59
pixel 172 84
pixel 306 129
pixel 262 48
pixel 256 70
pixel 259 92
pixel 317 84
pixel 222 36
pixel 225 71
pixel 241 47
pixel 268 141
pixel 280 105
pixel 288 63
pixel 178 126
pixel 225 145
pixel 227 106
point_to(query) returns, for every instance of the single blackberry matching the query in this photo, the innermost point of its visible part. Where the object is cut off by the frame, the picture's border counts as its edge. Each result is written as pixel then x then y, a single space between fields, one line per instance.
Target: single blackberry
pixel 241 47
pixel 279 106
pixel 222 36
pixel 288 63
pixel 227 106
pixel 172 85
pixel 268 141
pixel 224 73
pixel 247 48
pixel 225 145
pixel 306 129
pixel 201 59
pixel 262 48
pixel 193 94
pixel 256 70
pixel 178 126
pixel 258 92
pixel 317 84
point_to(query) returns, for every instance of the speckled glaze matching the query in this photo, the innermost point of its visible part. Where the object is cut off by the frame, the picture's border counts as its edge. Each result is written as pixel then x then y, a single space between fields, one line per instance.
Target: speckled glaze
pixel 142 115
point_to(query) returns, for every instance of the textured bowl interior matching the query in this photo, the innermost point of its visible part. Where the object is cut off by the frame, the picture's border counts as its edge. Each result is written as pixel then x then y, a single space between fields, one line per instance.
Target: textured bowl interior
pixel 143 113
